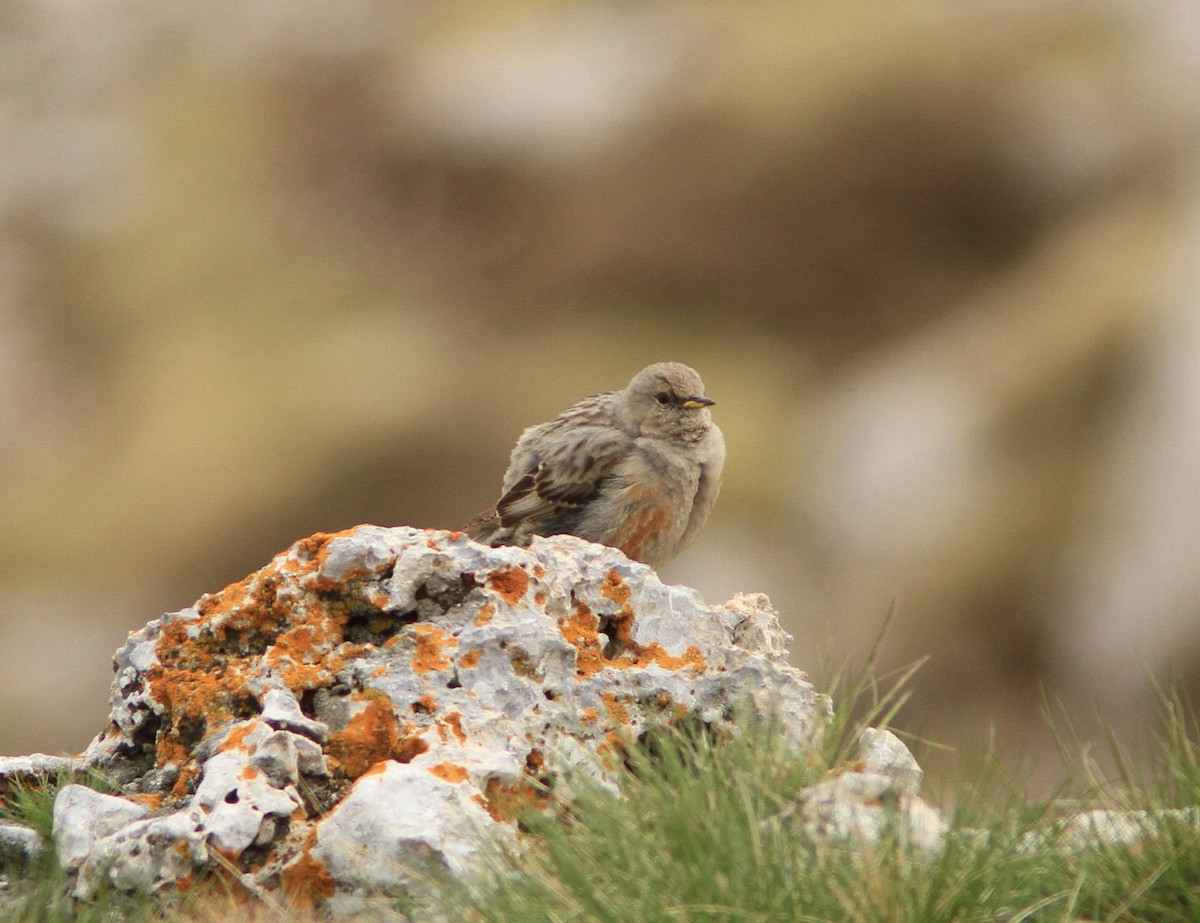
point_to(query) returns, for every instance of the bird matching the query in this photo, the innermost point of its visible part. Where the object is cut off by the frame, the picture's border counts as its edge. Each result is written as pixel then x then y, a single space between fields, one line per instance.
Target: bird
pixel 638 469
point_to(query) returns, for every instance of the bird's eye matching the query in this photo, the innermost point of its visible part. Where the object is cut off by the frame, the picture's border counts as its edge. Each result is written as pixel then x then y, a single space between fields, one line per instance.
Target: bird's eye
pixel 662 397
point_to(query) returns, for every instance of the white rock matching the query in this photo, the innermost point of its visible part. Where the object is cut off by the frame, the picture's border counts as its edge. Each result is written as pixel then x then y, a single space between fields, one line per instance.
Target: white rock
pixel 884 753
pixel 1111 827
pixel 37 765
pixel 236 799
pixel 19 845
pixel 863 805
pixel 143 856
pixel 82 815
pixel 754 625
pixel 400 823
pixel 281 710
pixel 1119 828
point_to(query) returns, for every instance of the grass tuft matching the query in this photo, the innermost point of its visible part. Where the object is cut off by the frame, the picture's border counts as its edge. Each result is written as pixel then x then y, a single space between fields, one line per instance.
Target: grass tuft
pixel 700 832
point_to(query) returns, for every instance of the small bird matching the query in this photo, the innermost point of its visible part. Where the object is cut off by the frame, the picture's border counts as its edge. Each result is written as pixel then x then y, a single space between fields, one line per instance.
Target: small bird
pixel 638 469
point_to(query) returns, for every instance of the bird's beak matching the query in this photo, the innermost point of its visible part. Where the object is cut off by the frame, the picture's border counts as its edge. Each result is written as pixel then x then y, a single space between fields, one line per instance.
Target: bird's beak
pixel 698 400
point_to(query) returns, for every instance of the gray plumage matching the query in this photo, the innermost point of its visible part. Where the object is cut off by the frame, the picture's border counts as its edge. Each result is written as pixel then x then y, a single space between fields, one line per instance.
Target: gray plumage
pixel 638 469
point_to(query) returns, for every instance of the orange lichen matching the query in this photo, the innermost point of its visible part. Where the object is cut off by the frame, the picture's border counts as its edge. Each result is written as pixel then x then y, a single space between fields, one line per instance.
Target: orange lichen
pixel 507 803
pixel 206 666
pixel 614 588
pixel 171 752
pixel 373 734
pixel 348 576
pixel 410 748
pixel 620 626
pixel 296 644
pixel 613 743
pixel 428 643
pixel 450 772
pixel 306 881
pixel 308 548
pixel 453 720
pixel 237 737
pixel 617 710
pixel 183 784
pixel 248 773
pixel 510 582
pixel 470 659
pixel 291 620
pixel 149 799
pixel 579 629
pixel 690 659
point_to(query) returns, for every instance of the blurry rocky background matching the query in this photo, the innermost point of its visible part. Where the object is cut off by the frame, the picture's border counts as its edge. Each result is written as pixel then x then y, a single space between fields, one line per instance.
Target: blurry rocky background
pixel 279 267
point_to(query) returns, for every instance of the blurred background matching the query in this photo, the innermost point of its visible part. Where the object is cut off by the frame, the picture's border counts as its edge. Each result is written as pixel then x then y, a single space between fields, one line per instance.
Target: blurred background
pixel 275 268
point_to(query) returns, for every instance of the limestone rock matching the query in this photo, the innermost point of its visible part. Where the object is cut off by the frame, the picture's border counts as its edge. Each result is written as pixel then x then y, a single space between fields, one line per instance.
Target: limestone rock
pixel 83 815
pixel 381 702
pixel 883 753
pixel 863 805
pixel 1123 828
pixel 19 845
pixel 35 768
pixel 401 823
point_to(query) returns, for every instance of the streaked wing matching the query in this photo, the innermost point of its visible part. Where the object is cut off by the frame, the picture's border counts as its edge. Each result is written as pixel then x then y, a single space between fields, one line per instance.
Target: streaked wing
pixel 563 469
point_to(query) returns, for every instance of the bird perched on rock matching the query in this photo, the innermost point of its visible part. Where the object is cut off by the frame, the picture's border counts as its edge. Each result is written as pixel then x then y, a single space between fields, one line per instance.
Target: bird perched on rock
pixel 638 469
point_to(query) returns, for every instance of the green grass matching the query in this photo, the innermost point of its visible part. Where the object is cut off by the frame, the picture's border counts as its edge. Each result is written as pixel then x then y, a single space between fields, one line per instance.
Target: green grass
pixel 32 802
pixel 705 829
pixel 38 894
pixel 701 834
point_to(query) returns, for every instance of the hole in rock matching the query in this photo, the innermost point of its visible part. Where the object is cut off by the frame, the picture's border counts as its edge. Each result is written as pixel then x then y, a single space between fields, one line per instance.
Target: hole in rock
pixel 308 703
pixel 374 626
pixel 244 706
pixel 146 733
pixel 445 596
pixel 191 730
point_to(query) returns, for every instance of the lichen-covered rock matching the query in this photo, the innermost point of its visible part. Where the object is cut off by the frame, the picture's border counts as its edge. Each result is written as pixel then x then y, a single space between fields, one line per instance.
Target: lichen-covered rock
pixel 99 836
pixel 380 702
